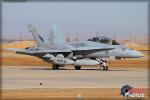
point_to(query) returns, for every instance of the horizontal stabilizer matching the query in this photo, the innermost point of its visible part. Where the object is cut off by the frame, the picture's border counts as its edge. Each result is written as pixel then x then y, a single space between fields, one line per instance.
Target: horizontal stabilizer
pixel 17 50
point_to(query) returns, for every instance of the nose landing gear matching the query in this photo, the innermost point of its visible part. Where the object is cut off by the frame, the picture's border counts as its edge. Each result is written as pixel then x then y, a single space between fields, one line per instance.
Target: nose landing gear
pixel 103 64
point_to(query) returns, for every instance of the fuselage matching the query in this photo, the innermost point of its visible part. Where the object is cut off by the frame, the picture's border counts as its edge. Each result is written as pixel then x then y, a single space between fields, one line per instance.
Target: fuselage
pixel 118 52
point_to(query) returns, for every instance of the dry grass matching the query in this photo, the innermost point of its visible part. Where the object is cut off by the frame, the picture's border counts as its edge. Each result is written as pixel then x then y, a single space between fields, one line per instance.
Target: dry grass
pixel 18 44
pixel 23 61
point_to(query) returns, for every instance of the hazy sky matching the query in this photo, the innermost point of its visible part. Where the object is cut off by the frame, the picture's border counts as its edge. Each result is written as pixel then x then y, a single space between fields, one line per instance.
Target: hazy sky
pixel 86 18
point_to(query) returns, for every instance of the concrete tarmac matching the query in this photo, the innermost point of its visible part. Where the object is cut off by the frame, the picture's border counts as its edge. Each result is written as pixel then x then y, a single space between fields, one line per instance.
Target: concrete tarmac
pixel 24 77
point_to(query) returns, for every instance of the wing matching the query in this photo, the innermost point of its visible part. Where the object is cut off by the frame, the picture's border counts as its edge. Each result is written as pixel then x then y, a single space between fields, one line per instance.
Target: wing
pixel 26 51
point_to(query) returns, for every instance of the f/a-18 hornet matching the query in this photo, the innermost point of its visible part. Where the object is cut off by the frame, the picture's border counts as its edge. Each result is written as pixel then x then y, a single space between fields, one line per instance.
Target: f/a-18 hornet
pixel 57 51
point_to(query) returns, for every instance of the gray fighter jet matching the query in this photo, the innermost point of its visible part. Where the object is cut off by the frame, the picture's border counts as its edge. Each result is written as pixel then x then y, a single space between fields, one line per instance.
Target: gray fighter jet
pixel 57 51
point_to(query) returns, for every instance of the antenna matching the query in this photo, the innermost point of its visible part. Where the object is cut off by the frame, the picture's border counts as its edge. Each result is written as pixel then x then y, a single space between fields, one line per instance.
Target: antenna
pixel 68 38
pixel 130 39
pixel 14 39
pixel 145 40
pixel 20 39
pixel 77 38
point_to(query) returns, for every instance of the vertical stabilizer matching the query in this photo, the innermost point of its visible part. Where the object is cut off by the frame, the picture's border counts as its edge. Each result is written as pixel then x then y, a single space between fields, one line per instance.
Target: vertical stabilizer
pixel 57 38
pixel 41 42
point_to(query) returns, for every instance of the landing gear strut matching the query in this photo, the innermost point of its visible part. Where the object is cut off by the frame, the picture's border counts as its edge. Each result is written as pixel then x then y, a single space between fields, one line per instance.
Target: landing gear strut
pixel 77 67
pixel 55 67
pixel 103 64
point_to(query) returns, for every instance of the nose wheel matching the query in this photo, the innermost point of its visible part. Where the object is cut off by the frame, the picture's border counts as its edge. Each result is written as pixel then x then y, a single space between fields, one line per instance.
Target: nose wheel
pixel 104 68
pixel 103 64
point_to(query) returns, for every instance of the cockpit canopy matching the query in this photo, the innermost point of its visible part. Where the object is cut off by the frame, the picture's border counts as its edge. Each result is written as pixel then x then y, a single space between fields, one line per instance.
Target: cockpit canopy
pixel 103 39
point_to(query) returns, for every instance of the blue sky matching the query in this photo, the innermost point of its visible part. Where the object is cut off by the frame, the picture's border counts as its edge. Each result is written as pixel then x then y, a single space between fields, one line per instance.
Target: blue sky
pixel 86 18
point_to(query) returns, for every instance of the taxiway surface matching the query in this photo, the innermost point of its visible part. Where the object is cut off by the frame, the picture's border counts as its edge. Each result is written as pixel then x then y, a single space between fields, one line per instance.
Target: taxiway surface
pixel 42 77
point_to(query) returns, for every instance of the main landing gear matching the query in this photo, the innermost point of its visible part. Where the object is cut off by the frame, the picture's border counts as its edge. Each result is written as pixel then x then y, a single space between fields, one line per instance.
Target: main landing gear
pixel 55 66
pixel 77 67
pixel 103 64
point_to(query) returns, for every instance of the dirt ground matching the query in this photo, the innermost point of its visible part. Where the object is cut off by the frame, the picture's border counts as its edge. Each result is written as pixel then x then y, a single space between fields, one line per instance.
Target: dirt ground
pixel 66 94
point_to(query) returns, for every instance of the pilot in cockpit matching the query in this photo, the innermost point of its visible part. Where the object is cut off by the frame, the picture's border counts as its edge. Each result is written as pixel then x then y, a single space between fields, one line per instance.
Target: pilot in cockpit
pixel 103 39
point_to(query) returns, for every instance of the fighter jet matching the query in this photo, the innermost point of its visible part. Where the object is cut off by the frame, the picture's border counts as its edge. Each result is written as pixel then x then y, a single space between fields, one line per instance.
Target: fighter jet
pixel 57 51
pixel 120 51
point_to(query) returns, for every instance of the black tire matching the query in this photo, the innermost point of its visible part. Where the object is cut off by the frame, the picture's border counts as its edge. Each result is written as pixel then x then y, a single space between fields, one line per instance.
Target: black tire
pixel 55 67
pixel 106 67
pixel 77 67
pixel 102 68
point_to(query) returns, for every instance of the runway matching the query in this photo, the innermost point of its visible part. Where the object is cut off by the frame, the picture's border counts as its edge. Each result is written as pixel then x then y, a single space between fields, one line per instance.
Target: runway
pixel 26 77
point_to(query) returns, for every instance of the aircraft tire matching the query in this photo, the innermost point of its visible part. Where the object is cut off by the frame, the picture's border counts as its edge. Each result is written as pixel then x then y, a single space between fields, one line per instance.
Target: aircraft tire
pixel 77 67
pixel 104 68
pixel 55 67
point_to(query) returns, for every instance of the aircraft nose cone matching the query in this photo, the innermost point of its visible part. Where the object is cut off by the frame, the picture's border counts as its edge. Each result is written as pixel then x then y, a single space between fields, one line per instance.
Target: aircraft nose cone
pixel 140 54
pixel 136 54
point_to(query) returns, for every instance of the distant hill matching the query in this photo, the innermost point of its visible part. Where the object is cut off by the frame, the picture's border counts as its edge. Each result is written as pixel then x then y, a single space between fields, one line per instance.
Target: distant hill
pixel 18 44
pixel 137 46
